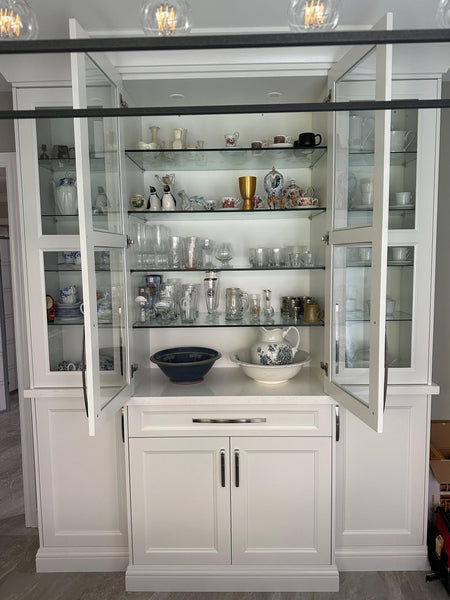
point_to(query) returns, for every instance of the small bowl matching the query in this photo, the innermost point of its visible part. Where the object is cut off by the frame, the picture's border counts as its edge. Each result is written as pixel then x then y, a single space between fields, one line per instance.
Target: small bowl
pixel 185 365
pixel 273 374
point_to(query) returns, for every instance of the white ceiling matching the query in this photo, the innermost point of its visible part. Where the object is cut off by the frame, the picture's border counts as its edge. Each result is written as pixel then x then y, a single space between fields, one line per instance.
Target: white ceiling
pixel 106 17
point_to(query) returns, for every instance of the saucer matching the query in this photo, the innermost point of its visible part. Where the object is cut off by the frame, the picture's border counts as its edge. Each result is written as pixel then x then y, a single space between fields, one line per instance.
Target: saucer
pixel 401 206
pixel 281 145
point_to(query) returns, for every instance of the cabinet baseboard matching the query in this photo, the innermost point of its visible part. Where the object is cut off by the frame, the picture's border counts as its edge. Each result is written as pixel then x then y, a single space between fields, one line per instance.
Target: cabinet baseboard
pixel 231 579
pixel 75 560
pixel 398 558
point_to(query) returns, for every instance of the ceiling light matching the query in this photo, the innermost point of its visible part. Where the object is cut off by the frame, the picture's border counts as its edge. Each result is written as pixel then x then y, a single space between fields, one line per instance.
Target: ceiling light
pixel 17 21
pixel 443 13
pixel 313 15
pixel 166 18
pixel 176 96
pixel 274 95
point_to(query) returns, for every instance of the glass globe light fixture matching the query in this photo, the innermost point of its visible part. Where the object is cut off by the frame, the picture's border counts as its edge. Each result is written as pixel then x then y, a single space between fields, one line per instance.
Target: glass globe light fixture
pixel 313 15
pixel 166 18
pixel 17 21
pixel 443 13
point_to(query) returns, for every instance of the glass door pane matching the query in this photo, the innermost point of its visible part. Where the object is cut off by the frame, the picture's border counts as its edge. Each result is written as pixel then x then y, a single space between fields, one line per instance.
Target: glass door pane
pixel 359 234
pixel 102 240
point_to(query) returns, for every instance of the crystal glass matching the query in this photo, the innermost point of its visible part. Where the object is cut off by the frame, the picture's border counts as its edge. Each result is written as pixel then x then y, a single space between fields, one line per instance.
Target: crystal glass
pixel 211 287
pixel 224 253
pixel 208 249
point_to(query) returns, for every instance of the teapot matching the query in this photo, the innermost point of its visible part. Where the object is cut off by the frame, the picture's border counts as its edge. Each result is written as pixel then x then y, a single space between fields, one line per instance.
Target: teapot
pixel 272 349
pixel 65 193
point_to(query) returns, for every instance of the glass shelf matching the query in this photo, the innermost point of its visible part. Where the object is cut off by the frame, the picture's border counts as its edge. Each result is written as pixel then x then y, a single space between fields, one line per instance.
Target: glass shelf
pixel 204 320
pixel 307 212
pixel 359 316
pixel 68 165
pixel 390 263
pixel 365 159
pixel 217 268
pixel 225 159
pixel 392 209
pixel 64 322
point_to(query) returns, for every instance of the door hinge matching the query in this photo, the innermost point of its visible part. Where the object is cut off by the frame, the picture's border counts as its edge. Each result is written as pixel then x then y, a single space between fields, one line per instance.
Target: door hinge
pixel 133 368
pixel 327 98
pixel 324 367
pixel 123 103
pixel 326 238
pixel 130 242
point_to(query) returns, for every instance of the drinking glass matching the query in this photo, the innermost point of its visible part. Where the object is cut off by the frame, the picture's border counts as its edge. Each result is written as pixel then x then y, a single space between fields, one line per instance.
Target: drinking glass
pixel 208 250
pixel 224 253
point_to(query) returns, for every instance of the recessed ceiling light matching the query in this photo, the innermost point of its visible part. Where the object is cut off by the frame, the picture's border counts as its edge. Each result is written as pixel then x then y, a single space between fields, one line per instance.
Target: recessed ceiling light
pixel 177 96
pixel 274 94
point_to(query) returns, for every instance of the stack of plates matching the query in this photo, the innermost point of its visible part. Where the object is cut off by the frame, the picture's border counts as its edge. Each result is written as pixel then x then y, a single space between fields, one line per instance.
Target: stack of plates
pixel 68 312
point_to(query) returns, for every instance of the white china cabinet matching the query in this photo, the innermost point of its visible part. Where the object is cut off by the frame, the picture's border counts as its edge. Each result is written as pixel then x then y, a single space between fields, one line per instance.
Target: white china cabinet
pixel 277 480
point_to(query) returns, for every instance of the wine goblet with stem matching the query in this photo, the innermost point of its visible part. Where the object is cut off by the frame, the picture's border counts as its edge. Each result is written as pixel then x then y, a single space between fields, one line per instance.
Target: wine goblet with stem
pixel 224 253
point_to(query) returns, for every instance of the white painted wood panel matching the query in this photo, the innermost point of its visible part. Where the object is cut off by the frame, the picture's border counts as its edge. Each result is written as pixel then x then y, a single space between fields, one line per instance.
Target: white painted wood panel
pixel 381 478
pixel 81 483
pixel 179 508
pixel 281 511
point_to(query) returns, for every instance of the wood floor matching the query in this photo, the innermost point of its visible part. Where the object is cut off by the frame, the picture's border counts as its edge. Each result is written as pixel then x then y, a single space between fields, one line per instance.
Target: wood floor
pixel 18 546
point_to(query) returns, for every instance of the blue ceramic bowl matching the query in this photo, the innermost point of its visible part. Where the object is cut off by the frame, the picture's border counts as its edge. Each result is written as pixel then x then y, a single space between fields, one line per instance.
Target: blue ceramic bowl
pixel 187 364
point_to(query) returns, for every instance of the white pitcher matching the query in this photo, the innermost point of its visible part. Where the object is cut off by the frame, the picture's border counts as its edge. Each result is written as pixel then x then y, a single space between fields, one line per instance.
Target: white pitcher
pixel 272 348
pixel 66 196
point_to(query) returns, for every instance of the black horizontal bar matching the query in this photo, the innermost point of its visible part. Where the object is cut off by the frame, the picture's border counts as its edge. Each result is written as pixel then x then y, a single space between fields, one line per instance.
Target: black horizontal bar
pixel 360 105
pixel 220 42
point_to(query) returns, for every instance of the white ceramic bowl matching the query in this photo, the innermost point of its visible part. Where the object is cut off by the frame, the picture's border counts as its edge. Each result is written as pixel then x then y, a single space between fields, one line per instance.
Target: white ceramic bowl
pixel 269 374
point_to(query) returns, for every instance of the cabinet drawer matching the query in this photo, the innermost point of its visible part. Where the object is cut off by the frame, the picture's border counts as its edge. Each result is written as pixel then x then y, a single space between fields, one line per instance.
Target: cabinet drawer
pixel 154 421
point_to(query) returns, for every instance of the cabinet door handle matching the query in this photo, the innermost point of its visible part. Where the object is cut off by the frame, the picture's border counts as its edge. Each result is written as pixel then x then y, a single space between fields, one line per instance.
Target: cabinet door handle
pixel 236 467
pixel 222 467
pixel 214 420
pixel 338 423
pixel 336 339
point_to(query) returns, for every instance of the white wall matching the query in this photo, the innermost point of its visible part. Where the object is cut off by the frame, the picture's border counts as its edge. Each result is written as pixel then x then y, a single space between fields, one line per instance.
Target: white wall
pixel 441 352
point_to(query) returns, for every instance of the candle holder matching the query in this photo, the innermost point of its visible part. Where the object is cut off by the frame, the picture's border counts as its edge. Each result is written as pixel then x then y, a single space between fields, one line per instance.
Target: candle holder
pixel 247 188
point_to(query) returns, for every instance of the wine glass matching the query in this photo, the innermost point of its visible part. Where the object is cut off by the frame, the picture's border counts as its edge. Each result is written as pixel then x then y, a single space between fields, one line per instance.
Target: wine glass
pixel 224 253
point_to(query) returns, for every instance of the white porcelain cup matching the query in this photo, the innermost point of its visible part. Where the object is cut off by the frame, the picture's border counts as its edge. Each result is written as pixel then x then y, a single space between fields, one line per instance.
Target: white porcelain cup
pixel 403 198
pixel 390 306
pixel 401 140
pixel 399 252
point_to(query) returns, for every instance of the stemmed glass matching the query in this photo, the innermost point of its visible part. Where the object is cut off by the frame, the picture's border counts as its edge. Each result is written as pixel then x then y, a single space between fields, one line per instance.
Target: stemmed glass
pixel 224 253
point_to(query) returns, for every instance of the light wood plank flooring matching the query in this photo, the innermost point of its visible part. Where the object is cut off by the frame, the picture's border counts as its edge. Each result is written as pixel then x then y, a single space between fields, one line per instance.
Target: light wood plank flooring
pixel 18 546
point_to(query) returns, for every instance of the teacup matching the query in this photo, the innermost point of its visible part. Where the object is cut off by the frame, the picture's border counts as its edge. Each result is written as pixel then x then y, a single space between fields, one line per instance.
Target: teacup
pixel 403 198
pixel 68 295
pixel 282 139
pixel 229 202
pixel 231 138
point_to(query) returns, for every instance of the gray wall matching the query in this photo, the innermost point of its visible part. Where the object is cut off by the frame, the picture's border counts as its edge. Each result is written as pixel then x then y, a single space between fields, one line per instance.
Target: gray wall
pixel 7 143
pixel 441 353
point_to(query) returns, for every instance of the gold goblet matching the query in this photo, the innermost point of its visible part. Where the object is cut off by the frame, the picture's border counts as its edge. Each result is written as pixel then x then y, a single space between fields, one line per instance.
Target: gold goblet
pixel 247 187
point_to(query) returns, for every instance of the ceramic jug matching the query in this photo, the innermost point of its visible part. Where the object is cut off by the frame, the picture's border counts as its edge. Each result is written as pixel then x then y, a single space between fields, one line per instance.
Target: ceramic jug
pixel 272 348
pixel 66 196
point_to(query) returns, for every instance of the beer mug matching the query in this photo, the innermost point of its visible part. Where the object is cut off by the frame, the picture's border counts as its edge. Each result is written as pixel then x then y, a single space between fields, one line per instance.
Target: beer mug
pixel 236 302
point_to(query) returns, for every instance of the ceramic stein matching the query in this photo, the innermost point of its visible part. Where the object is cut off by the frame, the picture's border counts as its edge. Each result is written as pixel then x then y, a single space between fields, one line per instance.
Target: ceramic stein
pixel 272 348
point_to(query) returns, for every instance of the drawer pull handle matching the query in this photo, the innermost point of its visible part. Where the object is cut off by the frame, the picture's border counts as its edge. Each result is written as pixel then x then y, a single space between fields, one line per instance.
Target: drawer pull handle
pixel 213 420
pixel 222 467
pixel 236 467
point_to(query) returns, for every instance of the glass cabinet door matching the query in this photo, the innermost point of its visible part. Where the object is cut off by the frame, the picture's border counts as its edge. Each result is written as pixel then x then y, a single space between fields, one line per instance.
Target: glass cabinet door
pixel 360 154
pixel 102 241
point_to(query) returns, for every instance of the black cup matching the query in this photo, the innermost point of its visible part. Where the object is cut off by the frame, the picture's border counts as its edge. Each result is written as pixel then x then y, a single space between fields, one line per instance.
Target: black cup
pixel 309 139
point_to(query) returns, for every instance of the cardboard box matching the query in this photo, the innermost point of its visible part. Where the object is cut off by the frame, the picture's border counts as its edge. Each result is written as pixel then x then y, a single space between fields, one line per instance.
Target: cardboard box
pixel 440 461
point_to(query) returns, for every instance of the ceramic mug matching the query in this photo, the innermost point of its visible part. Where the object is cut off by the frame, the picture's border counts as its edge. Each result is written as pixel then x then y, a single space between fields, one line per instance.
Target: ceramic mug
pixel 309 139
pixel 257 144
pixel 68 295
pixel 312 312
pixel 282 139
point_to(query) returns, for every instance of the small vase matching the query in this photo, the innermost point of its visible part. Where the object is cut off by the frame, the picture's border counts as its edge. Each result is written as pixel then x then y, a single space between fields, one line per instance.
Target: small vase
pixel 154 131
pixel 177 143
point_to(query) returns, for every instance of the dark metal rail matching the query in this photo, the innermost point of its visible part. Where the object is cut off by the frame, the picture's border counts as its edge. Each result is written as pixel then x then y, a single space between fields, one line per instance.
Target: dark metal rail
pixel 221 41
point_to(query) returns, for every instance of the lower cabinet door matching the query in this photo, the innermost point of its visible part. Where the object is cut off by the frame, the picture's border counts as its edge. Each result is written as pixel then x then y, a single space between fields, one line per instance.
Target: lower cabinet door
pixel 180 490
pixel 281 500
